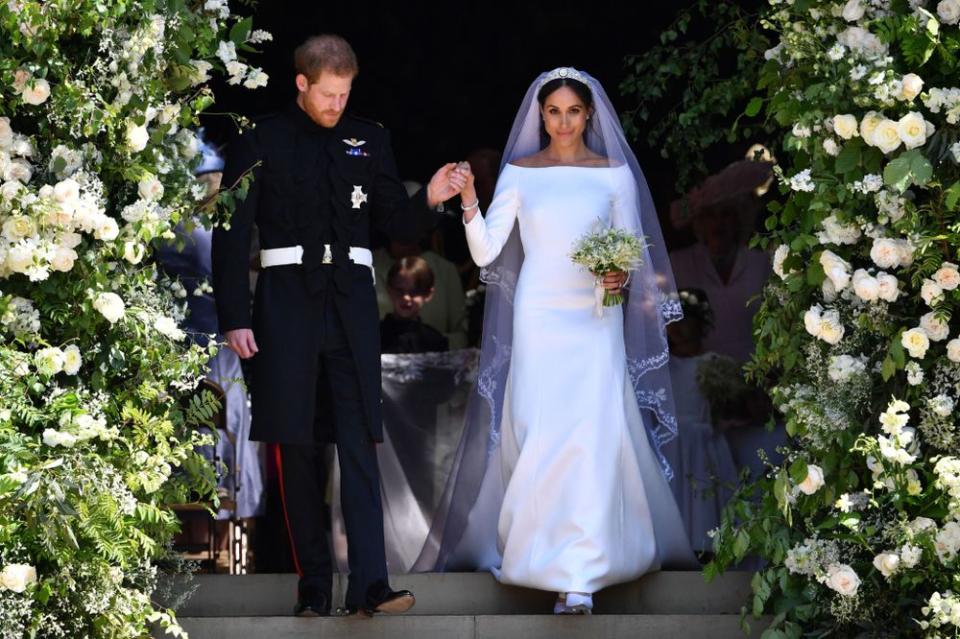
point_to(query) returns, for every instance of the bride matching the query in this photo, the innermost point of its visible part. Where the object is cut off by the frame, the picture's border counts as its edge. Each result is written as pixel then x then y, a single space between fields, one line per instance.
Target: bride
pixel 558 487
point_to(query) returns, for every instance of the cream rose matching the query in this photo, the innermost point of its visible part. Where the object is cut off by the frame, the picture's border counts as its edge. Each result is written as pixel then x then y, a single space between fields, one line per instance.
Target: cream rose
pixel 852 11
pixel 936 329
pixel 63 259
pixel 953 350
pixel 949 11
pixel 66 191
pixel 813 481
pixel 845 126
pixel 831 329
pixel 931 292
pixel 150 188
pixel 835 268
pixel 36 94
pixel 910 86
pixel 779 256
pixel 887 563
pixel 916 342
pixel 137 137
pixel 843 579
pixel 133 252
pixel 885 253
pixel 110 305
pixel 106 229
pixel 866 286
pixel 72 359
pixel 912 129
pixel 16 577
pixel 868 124
pixel 886 136
pixel 19 227
pixel 49 361
pixel 947 276
pixel 889 287
pixel 812 319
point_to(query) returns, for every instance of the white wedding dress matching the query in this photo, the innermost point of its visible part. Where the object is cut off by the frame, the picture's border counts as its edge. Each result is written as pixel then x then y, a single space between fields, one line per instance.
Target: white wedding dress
pixel 582 500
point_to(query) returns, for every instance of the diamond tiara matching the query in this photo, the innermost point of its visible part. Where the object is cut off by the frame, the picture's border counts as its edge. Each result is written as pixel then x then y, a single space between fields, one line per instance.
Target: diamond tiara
pixel 566 73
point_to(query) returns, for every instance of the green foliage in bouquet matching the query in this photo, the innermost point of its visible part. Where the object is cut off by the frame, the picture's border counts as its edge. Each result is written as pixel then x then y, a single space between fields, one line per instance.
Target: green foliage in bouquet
pixel 859 527
pixel 609 250
pixel 98 103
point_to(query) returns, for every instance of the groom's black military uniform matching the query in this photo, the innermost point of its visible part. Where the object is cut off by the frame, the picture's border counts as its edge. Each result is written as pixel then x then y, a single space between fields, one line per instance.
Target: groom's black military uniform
pixel 316 376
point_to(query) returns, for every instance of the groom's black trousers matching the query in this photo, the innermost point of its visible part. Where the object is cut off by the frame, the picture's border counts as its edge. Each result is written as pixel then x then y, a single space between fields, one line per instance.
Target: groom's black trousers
pixel 304 478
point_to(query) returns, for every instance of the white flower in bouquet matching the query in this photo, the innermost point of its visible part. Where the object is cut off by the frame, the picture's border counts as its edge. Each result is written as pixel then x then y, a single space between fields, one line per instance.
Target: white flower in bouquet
pixel 910 86
pixel 19 227
pixel 935 328
pixel 188 143
pixel 256 78
pixel 608 250
pixel 843 579
pixel 19 170
pixel 836 269
pixel 949 11
pixel 830 147
pixel 831 328
pixel 6 133
pixel 886 136
pixel 150 188
pixel 133 251
pixel 801 130
pixel 836 232
pixel 845 126
pixel 49 361
pixel 72 359
pixel 931 292
pixel 236 70
pixel 910 555
pixel 916 342
pixel 914 373
pixel 941 405
pixel 853 10
pixel 829 291
pixel 227 52
pixel 137 137
pixel 106 228
pixel 947 276
pixel 889 287
pixel 168 326
pixel 953 350
pixel 779 257
pixel 813 481
pixel 868 124
pixel 71 161
pixel 912 129
pixel 866 286
pixel 842 367
pixel 16 577
pixel 64 259
pixel 887 563
pixel 54 438
pixel 812 319
pixel 895 418
pixel 886 253
pixel 947 542
pixel 802 181
pixel 110 305
pixel 37 92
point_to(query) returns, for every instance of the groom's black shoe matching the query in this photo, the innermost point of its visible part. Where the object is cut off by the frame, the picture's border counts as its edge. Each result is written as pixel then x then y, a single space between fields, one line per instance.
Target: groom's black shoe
pixel 380 598
pixel 312 601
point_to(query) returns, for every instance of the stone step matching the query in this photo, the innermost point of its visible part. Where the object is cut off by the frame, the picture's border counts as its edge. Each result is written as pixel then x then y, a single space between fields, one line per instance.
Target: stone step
pixel 475 594
pixel 474 627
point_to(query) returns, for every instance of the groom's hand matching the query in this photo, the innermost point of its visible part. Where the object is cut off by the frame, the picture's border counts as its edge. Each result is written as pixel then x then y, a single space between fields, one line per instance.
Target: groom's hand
pixel 241 342
pixel 444 184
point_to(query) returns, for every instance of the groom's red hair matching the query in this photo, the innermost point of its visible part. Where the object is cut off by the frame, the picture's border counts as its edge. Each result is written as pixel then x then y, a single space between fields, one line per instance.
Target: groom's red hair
pixel 325 52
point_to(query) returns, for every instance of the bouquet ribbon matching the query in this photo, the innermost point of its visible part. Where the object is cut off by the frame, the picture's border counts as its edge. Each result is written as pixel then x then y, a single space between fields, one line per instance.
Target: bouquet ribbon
pixel 598 294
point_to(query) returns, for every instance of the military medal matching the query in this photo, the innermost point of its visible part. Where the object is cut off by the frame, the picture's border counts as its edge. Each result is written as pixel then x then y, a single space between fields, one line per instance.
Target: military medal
pixel 358 197
pixel 355 149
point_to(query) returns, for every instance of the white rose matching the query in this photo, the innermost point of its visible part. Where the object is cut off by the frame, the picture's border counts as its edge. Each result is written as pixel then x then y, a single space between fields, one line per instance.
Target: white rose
pixel 64 259
pixel 887 563
pixel 912 129
pixel 931 292
pixel 831 329
pixel 831 147
pixel 813 481
pixel 942 405
pixel 953 350
pixel 779 256
pixel 133 252
pixel 20 257
pixel 889 287
pixel 910 86
pixel 936 329
pixel 110 305
pixel 910 555
pixel 949 11
pixel 49 361
pixel 19 227
pixel 843 579
pixel 866 286
pixel 167 326
pixel 886 136
pixel 106 229
pixel 836 268
pixel 137 137
pixel 829 291
pixel 906 248
pixel 885 253
pixel 947 276
pixel 852 11
pixel 6 133
pixel 812 319
pixel 845 126
pixel 916 342
pixel 19 170
pixel 868 125
pixel 150 188
pixel 16 577
pixel 38 93
pixel 71 359
pixel 66 191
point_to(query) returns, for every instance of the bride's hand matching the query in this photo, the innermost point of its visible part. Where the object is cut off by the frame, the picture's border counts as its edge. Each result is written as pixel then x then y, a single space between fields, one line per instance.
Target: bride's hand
pixel 614 281
pixel 468 195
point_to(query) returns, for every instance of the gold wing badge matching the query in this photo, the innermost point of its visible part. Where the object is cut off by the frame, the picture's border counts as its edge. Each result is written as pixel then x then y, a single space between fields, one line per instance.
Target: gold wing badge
pixel 354 147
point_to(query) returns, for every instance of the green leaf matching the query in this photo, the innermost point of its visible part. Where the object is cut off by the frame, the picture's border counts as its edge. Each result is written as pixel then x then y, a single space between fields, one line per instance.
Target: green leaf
pixel 849 157
pixel 241 31
pixel 798 471
pixel 952 196
pixel 753 107
pixel 910 167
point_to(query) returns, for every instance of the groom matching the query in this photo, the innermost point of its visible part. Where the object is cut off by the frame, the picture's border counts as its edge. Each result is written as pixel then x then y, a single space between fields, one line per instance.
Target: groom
pixel 321 179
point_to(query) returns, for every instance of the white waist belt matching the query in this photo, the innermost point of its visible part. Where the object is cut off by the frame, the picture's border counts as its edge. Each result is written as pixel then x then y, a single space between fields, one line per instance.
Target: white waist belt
pixel 294 255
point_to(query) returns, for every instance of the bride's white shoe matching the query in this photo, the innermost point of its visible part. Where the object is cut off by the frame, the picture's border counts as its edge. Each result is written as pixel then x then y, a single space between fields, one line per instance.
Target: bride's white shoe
pixel 573 603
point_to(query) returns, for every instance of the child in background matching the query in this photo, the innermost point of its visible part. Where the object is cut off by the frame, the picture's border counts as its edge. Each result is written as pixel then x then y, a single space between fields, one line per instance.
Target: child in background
pixel 410 286
pixel 707 472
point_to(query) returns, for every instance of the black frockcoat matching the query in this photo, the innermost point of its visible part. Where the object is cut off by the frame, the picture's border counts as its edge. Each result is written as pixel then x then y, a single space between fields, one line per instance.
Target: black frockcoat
pixel 302 192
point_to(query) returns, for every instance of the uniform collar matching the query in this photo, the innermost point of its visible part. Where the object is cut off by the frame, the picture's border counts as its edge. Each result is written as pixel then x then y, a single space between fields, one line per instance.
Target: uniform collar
pixel 303 121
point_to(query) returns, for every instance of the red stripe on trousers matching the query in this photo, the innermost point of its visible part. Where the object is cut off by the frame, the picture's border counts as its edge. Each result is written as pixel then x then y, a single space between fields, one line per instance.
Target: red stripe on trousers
pixel 283 502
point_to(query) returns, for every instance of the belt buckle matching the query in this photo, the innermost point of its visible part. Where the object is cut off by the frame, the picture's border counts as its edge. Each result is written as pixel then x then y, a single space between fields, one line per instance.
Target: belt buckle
pixel 327 254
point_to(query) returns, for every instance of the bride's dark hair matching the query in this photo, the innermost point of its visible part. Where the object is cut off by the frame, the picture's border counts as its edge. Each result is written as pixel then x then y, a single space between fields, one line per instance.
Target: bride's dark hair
pixel 582 90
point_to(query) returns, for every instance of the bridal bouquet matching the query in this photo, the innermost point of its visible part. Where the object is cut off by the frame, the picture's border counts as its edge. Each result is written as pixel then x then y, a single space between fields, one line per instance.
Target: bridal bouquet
pixel 608 250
